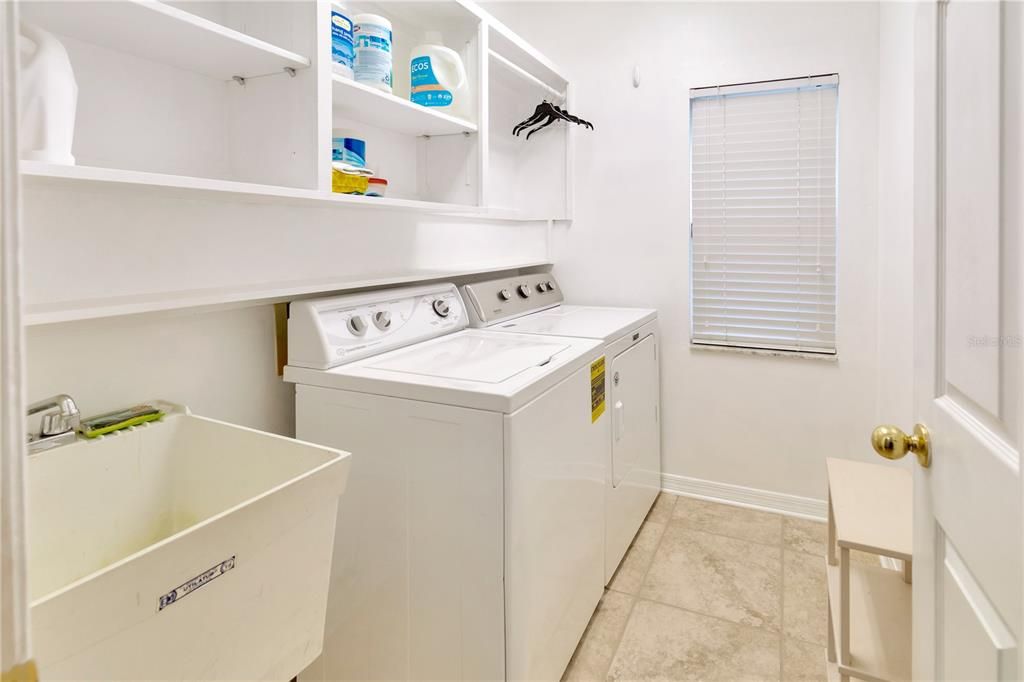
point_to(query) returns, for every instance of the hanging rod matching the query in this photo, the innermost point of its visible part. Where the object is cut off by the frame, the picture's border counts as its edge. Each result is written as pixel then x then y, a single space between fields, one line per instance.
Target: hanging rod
pixel 527 75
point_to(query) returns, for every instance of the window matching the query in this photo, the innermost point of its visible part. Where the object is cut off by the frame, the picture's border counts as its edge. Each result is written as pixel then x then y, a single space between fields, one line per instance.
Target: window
pixel 763 214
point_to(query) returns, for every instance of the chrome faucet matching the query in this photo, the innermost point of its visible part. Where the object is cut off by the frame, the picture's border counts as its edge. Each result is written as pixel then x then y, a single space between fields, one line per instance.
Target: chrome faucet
pixel 58 424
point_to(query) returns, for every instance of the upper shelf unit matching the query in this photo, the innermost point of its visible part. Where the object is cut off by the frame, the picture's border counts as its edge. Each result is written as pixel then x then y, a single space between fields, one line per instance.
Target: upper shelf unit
pixel 158 103
pixel 166 138
pixel 166 34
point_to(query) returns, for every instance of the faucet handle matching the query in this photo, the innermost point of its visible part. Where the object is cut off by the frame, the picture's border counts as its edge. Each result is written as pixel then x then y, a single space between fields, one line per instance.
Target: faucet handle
pixel 59 415
pixel 56 423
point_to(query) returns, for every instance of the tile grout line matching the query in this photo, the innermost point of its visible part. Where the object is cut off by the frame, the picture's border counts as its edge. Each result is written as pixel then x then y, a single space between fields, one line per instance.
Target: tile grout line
pixel 782 599
pixel 622 634
pixel 746 626
pixel 635 597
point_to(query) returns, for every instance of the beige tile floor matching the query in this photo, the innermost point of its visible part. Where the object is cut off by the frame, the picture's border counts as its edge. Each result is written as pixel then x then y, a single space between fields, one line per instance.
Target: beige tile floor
pixel 712 592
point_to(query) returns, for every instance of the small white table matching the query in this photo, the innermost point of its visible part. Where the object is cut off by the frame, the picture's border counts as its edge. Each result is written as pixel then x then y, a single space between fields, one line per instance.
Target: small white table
pixel 870 509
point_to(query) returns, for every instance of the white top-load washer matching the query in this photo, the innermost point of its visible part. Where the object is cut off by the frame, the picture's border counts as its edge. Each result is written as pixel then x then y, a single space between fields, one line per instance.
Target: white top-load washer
pixel 469 542
pixel 532 304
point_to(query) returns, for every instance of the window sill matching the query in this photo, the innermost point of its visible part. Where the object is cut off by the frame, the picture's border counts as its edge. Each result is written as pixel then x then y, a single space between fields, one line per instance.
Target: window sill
pixel 800 355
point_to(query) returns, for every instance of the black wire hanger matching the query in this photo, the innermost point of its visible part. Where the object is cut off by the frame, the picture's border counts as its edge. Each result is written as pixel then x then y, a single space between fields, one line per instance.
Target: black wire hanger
pixel 544 115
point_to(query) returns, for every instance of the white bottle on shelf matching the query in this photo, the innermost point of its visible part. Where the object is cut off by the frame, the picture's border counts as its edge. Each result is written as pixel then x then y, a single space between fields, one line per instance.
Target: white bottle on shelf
pixel 438 77
pixel 373 51
pixel 49 98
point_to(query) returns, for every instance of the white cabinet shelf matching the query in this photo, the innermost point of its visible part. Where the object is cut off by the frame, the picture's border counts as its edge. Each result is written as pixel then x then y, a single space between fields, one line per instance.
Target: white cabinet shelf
pixel 383 110
pixel 226 297
pixel 513 50
pixel 40 174
pixel 162 33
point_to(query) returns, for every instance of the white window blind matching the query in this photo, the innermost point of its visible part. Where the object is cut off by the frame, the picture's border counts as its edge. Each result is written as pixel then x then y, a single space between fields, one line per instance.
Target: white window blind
pixel 763 214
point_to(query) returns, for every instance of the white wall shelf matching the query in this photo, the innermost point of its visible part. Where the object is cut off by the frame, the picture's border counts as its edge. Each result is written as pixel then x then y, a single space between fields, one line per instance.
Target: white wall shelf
pixel 271 292
pixel 163 33
pixel 59 176
pixel 377 108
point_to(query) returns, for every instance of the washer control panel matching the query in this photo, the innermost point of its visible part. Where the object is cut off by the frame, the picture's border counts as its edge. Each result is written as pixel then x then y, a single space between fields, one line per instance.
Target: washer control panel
pixel 497 300
pixel 327 332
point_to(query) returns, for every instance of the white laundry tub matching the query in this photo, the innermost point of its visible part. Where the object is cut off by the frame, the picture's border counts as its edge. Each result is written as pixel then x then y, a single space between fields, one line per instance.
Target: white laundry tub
pixel 181 549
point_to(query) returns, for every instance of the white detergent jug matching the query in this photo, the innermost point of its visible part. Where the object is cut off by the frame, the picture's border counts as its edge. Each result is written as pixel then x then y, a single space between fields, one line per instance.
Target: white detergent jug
pixel 438 78
pixel 49 97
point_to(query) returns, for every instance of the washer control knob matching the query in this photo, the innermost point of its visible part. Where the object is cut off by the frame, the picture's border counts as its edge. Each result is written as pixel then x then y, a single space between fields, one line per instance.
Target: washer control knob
pixel 382 319
pixel 504 294
pixel 542 287
pixel 441 307
pixel 549 285
pixel 357 325
pixel 524 290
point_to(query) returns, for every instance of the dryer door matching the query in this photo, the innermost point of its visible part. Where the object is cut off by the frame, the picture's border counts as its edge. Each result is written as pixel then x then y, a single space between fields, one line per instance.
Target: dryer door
pixel 634 403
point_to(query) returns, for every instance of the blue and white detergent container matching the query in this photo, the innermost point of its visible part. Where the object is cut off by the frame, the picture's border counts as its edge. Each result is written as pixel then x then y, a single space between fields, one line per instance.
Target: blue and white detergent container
pixel 350 150
pixel 373 51
pixel 343 51
pixel 438 78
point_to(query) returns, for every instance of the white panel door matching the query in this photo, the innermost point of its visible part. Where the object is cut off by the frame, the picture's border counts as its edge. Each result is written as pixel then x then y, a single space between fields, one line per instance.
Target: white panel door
pixel 968 372
pixel 635 471
pixel 634 401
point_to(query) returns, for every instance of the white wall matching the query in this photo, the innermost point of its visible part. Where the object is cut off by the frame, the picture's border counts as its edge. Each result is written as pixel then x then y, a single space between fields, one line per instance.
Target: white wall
pixel 761 422
pixel 221 364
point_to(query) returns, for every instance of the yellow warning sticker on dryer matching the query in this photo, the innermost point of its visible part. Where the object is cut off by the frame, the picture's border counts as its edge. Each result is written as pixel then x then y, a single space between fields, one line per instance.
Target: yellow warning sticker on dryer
pixel 597 391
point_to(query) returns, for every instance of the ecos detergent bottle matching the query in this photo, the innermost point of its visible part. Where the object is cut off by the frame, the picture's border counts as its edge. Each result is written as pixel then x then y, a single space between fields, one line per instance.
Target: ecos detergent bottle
pixel 438 78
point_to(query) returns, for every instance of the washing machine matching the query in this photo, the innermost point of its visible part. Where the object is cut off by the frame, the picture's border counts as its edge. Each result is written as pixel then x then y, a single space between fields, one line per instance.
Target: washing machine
pixel 469 543
pixel 533 304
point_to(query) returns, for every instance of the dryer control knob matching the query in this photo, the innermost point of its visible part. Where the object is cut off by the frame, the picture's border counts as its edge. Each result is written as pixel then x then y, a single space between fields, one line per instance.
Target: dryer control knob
pixel 504 294
pixel 382 319
pixel 549 285
pixel 441 307
pixel 542 287
pixel 524 290
pixel 357 325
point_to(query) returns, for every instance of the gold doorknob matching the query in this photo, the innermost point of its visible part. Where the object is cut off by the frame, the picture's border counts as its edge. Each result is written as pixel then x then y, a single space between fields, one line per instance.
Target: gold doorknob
pixel 890 442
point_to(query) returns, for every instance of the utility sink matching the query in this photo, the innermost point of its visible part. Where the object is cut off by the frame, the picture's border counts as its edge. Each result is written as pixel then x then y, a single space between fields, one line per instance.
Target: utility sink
pixel 183 549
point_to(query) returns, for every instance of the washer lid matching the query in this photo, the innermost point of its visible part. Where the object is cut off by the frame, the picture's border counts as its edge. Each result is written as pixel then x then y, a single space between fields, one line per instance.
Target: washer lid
pixel 490 359
pixel 589 322
pixel 479 369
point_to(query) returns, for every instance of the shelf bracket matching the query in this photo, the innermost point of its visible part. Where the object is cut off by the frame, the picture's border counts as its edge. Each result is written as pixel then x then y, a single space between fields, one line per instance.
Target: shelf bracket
pixel 290 71
pixel 239 79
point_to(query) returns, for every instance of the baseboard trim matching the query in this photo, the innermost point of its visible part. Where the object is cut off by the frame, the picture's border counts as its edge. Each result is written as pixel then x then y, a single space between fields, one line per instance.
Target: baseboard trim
pixel 740 496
